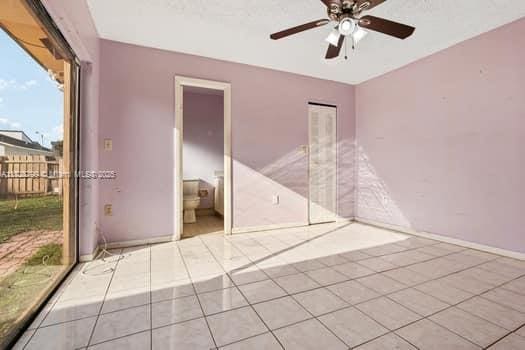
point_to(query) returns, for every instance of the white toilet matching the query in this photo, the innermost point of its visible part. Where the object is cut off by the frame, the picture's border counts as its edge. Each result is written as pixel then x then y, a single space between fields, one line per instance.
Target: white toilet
pixel 191 200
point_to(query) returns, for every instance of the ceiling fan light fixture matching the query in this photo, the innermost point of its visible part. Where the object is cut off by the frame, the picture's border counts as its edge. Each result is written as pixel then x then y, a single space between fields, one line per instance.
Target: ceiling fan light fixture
pixel 365 5
pixel 333 37
pixel 359 34
pixel 346 26
pixel 350 26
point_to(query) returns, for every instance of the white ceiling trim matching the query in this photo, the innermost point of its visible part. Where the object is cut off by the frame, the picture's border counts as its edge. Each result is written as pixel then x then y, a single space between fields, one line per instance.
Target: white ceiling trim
pixel 238 31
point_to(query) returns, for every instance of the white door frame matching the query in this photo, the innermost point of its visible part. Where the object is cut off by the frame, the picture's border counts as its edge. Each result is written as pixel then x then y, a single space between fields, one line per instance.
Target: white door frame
pixel 180 83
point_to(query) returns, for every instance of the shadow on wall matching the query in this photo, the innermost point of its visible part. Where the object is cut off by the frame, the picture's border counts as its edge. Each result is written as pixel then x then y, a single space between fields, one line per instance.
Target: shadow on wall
pixel 432 199
pixel 374 198
pixel 287 178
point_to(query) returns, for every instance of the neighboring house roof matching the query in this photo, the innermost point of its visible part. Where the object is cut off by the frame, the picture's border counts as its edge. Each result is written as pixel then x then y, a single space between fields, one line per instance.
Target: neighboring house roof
pixel 19 143
pixel 21 133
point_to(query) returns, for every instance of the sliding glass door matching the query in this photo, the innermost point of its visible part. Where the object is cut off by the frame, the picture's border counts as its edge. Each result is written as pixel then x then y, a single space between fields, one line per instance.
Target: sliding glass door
pixel 39 104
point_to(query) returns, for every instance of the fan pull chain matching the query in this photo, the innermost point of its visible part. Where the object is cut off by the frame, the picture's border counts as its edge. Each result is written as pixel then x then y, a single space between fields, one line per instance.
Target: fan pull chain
pixel 346 50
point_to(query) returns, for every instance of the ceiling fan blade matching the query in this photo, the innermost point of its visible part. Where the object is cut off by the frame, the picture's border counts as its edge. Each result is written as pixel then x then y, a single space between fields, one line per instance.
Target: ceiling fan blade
pixel 333 51
pixel 398 30
pixel 371 3
pixel 298 29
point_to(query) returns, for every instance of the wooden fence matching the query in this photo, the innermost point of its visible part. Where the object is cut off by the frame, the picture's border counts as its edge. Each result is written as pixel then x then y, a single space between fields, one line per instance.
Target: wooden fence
pixel 30 175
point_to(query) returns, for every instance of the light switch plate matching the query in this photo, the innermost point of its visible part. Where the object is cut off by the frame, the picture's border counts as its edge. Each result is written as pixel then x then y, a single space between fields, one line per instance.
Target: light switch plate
pixel 275 199
pixel 108 145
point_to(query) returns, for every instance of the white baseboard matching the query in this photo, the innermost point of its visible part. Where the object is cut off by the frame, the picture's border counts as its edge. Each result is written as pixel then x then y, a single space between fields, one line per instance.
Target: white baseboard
pixel 441 238
pixel 249 229
pixel 343 220
pixel 391 227
pixel 89 257
pixel 137 242
pixel 126 244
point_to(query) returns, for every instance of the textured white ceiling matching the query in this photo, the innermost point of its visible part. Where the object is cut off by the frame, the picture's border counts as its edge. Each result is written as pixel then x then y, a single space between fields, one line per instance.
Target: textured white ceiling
pixel 238 31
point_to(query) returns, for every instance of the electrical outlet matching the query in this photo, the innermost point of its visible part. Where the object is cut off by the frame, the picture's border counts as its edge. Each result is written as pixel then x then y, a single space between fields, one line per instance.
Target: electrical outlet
pixel 275 199
pixel 108 210
pixel 108 145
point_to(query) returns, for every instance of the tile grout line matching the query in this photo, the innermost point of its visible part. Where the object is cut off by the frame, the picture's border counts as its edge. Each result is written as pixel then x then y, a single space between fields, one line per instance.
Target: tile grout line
pixel 119 337
pixel 244 296
pixel 53 303
pixel 408 287
pixel 505 336
pixel 381 295
pixel 318 320
pixel 236 246
pixel 348 279
pixel 293 298
pixel 104 299
pixel 251 337
pixel 320 287
pixel 447 308
pixel 134 307
pixel 447 275
pixel 195 291
pixel 289 246
pixel 287 294
pixel 357 261
pixel 382 335
pixel 294 323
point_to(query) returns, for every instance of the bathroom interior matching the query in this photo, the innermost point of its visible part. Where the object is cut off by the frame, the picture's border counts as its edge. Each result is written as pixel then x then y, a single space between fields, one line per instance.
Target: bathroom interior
pixel 203 161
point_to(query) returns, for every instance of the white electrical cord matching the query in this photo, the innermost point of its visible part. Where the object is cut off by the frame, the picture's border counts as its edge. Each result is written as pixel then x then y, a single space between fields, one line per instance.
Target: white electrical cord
pixel 104 253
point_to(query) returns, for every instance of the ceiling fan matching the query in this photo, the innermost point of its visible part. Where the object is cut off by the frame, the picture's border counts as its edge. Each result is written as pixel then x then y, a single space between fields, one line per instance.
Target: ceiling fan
pixel 347 14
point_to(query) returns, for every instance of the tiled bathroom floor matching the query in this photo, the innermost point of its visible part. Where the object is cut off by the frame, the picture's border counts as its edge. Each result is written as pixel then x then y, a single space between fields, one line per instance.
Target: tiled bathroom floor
pixel 336 286
pixel 204 225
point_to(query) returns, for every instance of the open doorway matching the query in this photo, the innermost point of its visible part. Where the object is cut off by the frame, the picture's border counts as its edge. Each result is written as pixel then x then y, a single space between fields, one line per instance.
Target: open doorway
pixel 202 157
pixel 203 161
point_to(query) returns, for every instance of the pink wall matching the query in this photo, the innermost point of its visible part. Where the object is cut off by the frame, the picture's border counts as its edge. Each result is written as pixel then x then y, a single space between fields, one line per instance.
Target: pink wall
pixel 203 141
pixel 269 126
pixel 441 142
pixel 74 20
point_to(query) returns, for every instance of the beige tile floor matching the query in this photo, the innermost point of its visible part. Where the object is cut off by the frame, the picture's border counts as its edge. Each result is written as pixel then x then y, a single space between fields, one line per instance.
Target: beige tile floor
pixel 336 286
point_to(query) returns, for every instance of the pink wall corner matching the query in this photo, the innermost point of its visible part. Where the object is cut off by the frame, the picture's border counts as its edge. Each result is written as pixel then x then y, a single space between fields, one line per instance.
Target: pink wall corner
pixel 441 142
pixel 269 126
pixel 74 21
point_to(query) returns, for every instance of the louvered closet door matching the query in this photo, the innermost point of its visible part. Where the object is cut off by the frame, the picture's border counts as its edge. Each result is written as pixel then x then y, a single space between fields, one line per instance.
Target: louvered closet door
pixel 322 163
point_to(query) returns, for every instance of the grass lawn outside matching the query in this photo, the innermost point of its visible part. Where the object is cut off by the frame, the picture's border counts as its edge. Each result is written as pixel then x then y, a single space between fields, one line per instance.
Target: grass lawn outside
pixel 37 213
pixel 50 254
pixel 25 286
